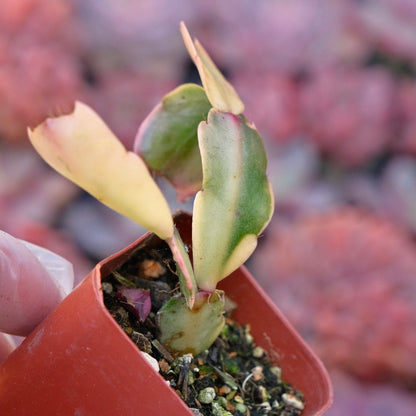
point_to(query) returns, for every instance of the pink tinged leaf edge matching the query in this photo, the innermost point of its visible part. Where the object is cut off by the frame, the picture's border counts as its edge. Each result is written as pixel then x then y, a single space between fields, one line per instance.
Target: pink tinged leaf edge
pixel 220 92
pixel 184 265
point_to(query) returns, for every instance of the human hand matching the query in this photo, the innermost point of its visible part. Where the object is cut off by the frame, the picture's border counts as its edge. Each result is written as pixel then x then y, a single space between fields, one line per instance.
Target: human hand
pixel 33 281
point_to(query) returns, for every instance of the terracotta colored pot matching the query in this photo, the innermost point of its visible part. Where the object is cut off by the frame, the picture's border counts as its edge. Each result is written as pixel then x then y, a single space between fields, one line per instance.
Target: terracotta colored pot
pixel 78 361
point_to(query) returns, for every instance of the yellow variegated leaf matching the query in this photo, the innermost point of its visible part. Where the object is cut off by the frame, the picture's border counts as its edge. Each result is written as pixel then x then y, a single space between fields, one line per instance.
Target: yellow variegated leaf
pixel 235 202
pixel 220 92
pixel 82 148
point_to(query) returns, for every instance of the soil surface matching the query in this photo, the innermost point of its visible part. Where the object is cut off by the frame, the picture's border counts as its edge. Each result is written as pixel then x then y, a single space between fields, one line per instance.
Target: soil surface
pixel 232 377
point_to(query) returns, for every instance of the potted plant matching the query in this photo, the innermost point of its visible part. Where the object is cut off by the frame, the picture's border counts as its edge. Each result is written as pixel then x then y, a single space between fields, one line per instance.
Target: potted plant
pixel 79 360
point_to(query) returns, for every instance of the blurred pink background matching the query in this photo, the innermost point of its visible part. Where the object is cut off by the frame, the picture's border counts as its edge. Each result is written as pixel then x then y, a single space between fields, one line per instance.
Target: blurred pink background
pixel 331 86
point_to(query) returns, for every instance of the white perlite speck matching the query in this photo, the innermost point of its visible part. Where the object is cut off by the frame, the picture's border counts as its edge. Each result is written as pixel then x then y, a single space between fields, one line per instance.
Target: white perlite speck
pixel 293 401
pixel 207 395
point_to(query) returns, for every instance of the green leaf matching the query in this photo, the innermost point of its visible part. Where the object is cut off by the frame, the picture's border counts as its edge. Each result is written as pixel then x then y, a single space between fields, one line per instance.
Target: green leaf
pixel 167 139
pixel 185 331
pixel 236 201
pixel 220 92
pixel 81 147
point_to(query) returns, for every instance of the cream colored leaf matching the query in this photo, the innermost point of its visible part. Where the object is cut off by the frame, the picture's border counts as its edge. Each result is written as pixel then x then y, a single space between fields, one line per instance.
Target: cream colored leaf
pixel 82 148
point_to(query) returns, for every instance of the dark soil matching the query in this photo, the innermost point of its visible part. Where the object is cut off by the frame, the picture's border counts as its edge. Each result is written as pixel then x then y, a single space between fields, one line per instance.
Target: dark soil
pixel 233 377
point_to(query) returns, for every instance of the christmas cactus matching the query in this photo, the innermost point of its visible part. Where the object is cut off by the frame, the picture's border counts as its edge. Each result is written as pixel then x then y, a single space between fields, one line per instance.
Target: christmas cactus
pixel 199 140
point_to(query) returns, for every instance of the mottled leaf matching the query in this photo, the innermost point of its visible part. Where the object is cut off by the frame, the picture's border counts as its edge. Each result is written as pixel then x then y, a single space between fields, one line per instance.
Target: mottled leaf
pixel 220 92
pixel 167 139
pixel 82 148
pixel 191 331
pixel 236 201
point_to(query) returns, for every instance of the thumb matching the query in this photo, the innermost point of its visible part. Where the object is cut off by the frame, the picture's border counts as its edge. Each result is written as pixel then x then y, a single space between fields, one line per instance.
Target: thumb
pixel 33 281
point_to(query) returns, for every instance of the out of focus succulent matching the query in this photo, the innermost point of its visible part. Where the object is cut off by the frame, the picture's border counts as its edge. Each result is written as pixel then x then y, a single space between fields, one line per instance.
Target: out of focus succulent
pixel 349 114
pixel 388 25
pixel 136 35
pixel 392 194
pixel 272 99
pixel 285 36
pixel 406 116
pixel 356 272
pixel 363 399
pixel 125 97
pixel 38 75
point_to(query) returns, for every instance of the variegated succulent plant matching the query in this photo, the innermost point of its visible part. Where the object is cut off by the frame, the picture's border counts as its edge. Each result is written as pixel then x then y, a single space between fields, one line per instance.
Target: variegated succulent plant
pixel 198 138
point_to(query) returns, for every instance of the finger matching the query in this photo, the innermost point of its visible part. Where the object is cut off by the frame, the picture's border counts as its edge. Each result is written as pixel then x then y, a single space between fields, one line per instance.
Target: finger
pixel 28 290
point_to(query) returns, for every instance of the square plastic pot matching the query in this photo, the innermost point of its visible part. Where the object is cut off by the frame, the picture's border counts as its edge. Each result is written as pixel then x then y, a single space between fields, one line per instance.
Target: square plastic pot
pixel 78 361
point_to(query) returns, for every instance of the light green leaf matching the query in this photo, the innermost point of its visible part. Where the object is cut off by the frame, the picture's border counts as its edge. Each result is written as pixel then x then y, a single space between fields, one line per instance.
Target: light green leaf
pixel 185 331
pixel 236 201
pixel 82 148
pixel 167 139
pixel 220 92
